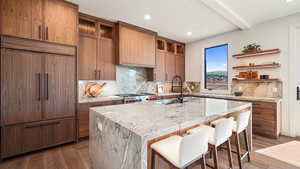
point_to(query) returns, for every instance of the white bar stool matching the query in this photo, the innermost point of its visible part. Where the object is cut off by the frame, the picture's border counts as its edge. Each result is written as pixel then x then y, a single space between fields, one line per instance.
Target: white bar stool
pixel 220 134
pixel 240 125
pixel 182 151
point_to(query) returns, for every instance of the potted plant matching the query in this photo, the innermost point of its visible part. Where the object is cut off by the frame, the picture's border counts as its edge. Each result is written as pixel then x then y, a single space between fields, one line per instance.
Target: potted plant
pixel 251 48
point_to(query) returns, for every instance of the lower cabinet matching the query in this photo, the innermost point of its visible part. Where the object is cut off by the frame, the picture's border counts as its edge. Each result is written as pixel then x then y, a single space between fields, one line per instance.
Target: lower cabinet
pixel 83 115
pixel 22 138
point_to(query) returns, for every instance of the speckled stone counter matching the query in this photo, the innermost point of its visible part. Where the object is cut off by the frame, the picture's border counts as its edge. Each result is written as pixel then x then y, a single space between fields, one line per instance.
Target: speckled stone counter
pixel 119 134
pixel 245 98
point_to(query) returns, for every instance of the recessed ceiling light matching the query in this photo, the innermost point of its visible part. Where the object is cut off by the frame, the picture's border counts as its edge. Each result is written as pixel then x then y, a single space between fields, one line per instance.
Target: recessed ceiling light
pixel 287 1
pixel 189 33
pixel 147 17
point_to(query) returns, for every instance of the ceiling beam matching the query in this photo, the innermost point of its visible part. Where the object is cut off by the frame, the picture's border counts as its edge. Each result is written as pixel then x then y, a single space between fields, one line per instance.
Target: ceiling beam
pixel 227 13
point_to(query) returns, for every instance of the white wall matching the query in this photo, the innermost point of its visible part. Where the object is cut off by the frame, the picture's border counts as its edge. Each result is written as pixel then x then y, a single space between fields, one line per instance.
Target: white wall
pixel 272 34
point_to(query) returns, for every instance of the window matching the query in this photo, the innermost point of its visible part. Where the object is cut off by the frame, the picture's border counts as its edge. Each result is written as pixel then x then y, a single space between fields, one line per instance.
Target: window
pixel 216 70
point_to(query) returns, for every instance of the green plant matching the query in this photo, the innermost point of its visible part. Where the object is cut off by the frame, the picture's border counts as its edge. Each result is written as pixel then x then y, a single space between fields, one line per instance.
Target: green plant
pixel 253 47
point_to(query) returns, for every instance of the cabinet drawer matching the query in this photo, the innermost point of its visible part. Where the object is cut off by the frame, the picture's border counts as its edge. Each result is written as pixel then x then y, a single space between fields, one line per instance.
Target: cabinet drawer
pixel 264 105
pixel 264 114
pixel 22 138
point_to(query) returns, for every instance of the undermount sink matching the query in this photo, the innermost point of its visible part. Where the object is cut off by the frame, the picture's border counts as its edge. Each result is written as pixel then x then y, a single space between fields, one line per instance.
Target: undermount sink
pixel 168 101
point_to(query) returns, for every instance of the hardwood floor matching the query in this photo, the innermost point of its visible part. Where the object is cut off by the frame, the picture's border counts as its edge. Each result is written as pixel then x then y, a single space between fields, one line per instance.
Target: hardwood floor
pixel 75 156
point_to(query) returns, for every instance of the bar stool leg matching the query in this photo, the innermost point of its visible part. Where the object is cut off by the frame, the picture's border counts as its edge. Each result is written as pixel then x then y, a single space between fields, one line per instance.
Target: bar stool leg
pixel 153 159
pixel 203 162
pixel 229 154
pixel 247 144
pixel 215 152
pixel 238 150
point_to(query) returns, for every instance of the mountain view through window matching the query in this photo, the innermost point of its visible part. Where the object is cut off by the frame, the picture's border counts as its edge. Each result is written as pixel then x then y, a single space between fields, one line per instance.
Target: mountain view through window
pixel 216 70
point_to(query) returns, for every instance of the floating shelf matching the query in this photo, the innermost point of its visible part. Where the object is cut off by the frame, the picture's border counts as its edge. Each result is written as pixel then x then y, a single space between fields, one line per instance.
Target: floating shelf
pixel 260 53
pixel 276 65
pixel 258 80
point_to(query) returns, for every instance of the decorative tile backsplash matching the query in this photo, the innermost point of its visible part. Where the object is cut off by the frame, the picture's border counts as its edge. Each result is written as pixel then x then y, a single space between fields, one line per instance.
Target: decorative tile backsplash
pixel 272 89
pixel 132 80
pixel 135 80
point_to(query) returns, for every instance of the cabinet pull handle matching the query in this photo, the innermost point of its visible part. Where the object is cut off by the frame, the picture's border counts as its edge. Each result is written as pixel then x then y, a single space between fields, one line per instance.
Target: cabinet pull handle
pixel 40 32
pixel 99 74
pixel 96 73
pixel 166 76
pixel 47 33
pixel 47 85
pixel 43 124
pixel 39 86
pixel 298 93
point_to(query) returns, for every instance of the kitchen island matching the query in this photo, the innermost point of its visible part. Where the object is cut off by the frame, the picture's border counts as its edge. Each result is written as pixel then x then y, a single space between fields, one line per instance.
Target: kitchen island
pixel 120 135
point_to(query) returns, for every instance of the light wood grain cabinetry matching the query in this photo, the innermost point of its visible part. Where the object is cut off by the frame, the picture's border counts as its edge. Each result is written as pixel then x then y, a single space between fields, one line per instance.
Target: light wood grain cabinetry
pixel 38 93
pixel 49 20
pixel 87 59
pixel 180 65
pixel 170 66
pixel 135 46
pixel 96 50
pixel 160 73
pixel 170 60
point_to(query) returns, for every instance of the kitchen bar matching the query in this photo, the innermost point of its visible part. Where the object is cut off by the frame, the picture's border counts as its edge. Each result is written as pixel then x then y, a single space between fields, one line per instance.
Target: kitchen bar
pixel 123 132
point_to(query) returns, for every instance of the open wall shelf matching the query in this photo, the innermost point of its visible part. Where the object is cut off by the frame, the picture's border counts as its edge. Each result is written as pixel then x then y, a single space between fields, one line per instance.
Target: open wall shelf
pixel 258 80
pixel 260 53
pixel 262 66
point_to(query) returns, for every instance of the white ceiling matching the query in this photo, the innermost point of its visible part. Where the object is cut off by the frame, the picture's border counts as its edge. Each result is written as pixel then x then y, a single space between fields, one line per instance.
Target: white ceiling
pixel 174 18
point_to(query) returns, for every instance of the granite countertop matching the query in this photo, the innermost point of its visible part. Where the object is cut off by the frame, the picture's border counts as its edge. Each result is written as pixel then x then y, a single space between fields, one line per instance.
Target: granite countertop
pixel 101 99
pixel 246 98
pixel 149 119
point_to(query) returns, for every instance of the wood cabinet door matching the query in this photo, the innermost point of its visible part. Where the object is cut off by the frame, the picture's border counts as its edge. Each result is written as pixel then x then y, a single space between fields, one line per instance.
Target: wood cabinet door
pixel 160 73
pixel 37 19
pixel 60 22
pixel 11 140
pixel 58 132
pixel 16 18
pixel 87 62
pixel 32 137
pixel 21 86
pixel 136 48
pixel 180 66
pixel 170 66
pixel 106 59
pixel 60 87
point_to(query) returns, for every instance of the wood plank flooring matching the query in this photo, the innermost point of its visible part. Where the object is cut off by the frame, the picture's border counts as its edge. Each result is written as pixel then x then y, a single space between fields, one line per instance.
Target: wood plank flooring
pixel 75 156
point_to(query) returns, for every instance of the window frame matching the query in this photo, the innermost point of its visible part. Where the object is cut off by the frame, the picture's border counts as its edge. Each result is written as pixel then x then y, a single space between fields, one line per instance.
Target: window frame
pixel 205 68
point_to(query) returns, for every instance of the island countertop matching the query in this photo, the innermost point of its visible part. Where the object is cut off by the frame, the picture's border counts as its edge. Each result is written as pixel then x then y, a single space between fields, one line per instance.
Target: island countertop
pixel 127 128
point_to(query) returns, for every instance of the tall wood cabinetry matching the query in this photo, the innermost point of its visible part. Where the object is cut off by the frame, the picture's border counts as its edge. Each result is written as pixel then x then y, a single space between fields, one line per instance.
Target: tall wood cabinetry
pixel 96 49
pixel 47 20
pixel 135 46
pixel 170 60
pixel 38 95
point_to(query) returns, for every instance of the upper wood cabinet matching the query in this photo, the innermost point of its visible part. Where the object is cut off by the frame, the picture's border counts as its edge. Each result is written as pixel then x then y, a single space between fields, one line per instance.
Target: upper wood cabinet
pixel 87 58
pixel 180 66
pixel 96 49
pixel 170 60
pixel 49 20
pixel 60 22
pixel 135 46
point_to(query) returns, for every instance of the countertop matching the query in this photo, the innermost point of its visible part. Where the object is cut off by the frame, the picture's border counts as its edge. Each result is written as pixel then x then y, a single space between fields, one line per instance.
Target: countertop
pixel 151 118
pixel 229 96
pixel 100 99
